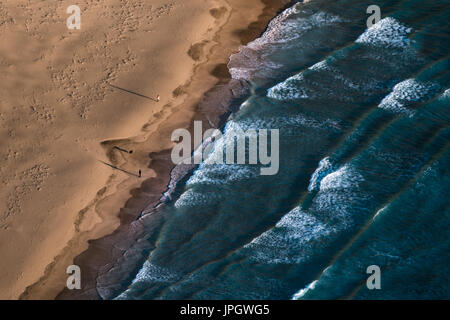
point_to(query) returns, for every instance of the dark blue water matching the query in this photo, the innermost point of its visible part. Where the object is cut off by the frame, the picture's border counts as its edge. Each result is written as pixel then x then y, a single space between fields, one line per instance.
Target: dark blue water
pixel 364 173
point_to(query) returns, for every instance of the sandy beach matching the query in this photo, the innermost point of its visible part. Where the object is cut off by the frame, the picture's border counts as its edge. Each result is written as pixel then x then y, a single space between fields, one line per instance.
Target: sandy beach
pixel 72 102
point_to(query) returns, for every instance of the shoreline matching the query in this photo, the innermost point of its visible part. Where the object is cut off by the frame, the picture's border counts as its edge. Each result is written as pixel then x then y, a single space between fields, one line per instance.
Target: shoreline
pixel 208 86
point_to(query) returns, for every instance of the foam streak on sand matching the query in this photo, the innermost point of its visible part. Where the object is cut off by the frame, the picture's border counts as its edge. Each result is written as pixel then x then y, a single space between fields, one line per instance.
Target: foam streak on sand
pixel 61 111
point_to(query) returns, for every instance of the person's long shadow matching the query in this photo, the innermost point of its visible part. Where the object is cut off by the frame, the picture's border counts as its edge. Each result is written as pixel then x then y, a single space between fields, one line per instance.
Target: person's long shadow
pixel 132 92
pixel 117 168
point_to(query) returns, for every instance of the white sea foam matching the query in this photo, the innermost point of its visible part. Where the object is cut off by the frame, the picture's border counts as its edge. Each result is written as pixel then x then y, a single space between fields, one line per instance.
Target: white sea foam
pixel 296 87
pixel 322 170
pixel 302 292
pixel 220 174
pixel 192 198
pixel 326 65
pixel 152 273
pixel 253 66
pixel 388 32
pixel 337 207
pixel 283 122
pixel 148 275
pixel 406 93
pixel 300 233
pixel 285 28
pixel 339 193
pixel 289 89
pixel 321 65
pixel 344 178
pixel 291 240
pixel 379 212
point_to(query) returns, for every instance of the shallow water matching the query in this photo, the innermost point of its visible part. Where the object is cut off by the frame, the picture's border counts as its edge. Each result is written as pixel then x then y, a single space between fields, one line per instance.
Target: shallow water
pixel 364 128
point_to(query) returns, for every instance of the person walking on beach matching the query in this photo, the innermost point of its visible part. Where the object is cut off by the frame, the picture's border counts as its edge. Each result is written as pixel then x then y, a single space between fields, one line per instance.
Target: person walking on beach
pixel 158 98
pixel 140 173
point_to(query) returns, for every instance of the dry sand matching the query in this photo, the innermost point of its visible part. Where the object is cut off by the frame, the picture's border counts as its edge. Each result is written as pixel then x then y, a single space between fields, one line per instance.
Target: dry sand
pixel 69 96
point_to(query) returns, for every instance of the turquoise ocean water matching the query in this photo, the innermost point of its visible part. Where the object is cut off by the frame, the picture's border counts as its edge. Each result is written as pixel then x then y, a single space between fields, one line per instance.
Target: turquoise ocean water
pixel 363 115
